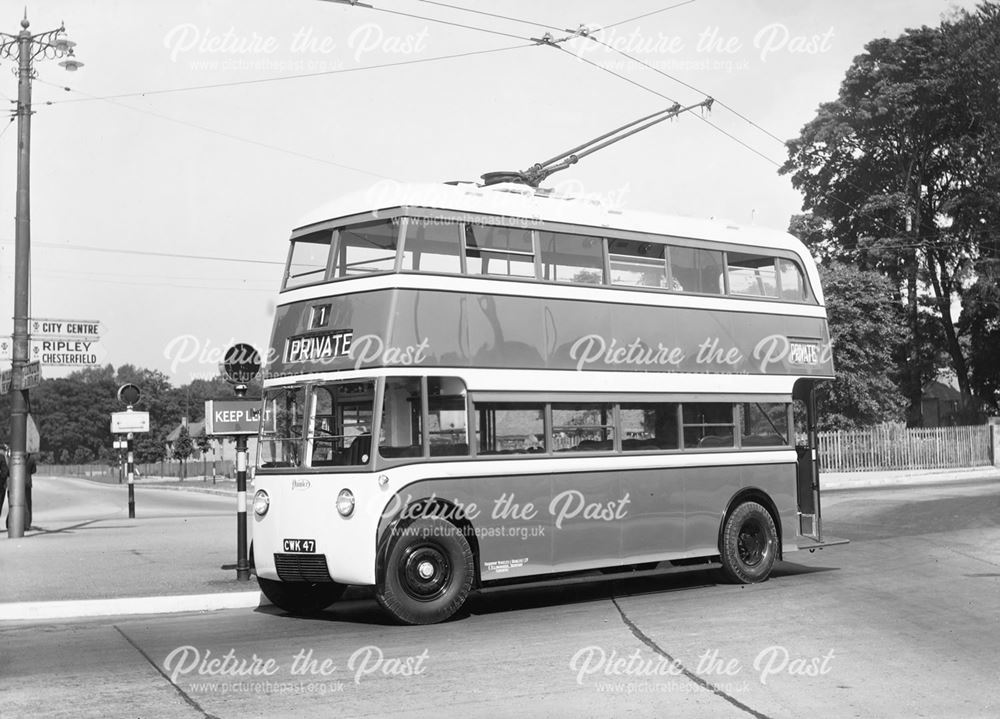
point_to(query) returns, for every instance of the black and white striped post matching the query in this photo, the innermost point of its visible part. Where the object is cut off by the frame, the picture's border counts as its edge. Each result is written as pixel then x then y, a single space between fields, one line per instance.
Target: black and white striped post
pixel 127 423
pixel 130 469
pixel 239 366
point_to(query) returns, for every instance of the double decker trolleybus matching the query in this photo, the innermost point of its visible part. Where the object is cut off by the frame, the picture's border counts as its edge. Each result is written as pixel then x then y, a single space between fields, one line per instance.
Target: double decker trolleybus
pixel 478 384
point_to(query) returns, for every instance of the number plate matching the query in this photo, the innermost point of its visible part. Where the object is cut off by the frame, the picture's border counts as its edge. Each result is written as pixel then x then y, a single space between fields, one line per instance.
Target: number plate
pixel 299 545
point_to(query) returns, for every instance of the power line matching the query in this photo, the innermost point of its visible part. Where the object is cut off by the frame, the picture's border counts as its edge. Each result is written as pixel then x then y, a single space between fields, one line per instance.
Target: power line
pixel 446 22
pixel 490 14
pixel 151 253
pixel 220 133
pixel 685 84
pixel 667 97
pixel 654 12
pixel 279 78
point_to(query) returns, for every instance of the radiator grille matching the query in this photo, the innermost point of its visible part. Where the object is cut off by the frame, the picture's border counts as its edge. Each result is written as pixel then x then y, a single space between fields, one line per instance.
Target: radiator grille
pixel 302 567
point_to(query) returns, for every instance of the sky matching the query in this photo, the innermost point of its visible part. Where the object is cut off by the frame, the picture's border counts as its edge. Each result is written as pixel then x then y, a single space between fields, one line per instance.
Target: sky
pixel 168 172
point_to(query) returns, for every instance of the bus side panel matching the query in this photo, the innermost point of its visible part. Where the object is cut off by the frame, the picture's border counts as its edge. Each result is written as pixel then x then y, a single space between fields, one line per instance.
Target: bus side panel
pixel 655 522
pixel 509 517
pixel 709 491
pixel 586 517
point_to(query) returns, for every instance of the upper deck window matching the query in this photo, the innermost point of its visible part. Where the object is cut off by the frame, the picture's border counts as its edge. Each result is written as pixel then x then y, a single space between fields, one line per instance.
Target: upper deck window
pixel 793 284
pixel 432 247
pixel 308 260
pixel 571 258
pixel 364 249
pixel 499 251
pixel 752 275
pixel 637 263
pixel 696 270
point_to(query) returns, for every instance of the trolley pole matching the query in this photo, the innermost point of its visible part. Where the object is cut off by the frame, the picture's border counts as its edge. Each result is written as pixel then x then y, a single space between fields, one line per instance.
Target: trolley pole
pixel 130 460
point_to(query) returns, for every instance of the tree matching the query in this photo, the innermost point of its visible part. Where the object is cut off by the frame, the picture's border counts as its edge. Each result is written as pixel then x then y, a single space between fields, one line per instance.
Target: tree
pixel 902 170
pixel 183 448
pixel 204 444
pixel 865 329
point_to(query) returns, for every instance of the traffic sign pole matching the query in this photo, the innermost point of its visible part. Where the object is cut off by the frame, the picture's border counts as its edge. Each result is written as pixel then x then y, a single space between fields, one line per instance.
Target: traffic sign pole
pixel 242 561
pixel 130 458
pixel 240 365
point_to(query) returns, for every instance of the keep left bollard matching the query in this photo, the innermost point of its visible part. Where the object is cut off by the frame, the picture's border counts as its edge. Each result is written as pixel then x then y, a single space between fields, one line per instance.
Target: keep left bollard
pixel 128 423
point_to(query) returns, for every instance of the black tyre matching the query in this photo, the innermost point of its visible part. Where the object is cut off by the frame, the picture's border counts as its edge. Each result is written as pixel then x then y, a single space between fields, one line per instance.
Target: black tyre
pixel 749 544
pixel 427 573
pixel 301 597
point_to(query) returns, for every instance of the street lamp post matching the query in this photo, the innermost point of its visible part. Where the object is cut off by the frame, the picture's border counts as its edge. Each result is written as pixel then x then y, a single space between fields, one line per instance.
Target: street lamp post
pixel 26 48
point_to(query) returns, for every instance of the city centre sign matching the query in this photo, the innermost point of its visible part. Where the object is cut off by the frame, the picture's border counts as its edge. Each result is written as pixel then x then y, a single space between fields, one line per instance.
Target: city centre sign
pixel 60 343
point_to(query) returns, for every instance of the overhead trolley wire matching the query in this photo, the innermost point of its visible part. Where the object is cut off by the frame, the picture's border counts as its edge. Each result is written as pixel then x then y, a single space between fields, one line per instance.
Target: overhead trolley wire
pixel 281 78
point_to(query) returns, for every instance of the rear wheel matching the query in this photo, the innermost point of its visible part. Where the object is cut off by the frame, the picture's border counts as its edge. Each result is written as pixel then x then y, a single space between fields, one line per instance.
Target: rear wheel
pixel 427 573
pixel 301 597
pixel 749 544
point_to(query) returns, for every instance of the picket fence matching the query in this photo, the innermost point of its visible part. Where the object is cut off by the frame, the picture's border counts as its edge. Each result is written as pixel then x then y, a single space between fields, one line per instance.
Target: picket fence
pixel 895 447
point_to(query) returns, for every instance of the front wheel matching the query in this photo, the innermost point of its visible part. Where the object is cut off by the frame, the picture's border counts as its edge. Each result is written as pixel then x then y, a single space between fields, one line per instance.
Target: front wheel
pixel 301 597
pixel 428 572
pixel 749 544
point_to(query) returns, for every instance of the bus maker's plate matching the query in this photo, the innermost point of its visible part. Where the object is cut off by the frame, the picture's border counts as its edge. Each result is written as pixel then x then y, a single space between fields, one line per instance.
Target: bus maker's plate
pixel 299 545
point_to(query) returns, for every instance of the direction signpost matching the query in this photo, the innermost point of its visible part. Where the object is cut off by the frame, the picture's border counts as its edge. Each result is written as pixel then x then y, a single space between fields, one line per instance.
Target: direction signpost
pixel 239 418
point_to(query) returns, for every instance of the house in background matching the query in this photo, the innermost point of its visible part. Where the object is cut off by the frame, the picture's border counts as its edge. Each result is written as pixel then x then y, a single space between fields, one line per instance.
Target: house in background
pixel 223 448
pixel 941 406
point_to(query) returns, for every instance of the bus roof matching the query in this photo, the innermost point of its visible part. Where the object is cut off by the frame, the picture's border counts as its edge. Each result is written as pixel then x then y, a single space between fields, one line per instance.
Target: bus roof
pixel 527 203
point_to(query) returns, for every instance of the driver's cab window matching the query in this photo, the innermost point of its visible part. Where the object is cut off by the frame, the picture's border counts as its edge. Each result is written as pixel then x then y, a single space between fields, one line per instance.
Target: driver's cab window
pixel 281 441
pixel 340 424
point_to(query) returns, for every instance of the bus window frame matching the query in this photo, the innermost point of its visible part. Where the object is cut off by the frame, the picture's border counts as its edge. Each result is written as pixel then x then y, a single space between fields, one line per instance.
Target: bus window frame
pixel 402 214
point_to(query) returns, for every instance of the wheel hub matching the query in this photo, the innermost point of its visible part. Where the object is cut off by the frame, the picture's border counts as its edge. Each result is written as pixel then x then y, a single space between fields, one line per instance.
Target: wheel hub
pixel 425 572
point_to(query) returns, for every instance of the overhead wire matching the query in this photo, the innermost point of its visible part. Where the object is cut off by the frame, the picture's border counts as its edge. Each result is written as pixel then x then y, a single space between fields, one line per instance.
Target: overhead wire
pixel 282 78
pixel 220 133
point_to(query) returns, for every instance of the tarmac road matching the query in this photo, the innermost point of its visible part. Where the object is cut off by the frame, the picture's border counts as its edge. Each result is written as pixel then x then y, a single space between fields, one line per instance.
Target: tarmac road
pixel 902 622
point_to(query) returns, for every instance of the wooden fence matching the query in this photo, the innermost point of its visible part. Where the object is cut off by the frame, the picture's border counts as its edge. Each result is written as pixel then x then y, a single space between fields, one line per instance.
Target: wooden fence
pixel 895 447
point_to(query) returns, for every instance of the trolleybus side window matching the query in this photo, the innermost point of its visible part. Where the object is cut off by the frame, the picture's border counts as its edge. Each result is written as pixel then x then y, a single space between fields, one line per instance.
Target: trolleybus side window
pixel 707 424
pixel 499 251
pixel 793 284
pixel 752 275
pixel 764 424
pixel 402 430
pixel 446 417
pixel 364 249
pixel 583 427
pixel 650 426
pixel 637 263
pixel 432 247
pixel 510 428
pixel 308 259
pixel 281 443
pixel 697 270
pixel 571 258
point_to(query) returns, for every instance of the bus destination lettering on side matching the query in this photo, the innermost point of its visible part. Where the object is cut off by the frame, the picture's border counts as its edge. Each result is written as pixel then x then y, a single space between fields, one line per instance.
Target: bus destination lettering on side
pixel 312 348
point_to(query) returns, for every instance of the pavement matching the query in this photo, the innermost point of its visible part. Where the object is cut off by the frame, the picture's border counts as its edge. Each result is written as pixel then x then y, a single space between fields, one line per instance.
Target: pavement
pixel 83 556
